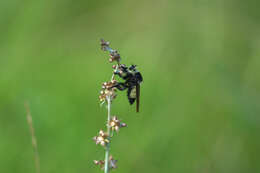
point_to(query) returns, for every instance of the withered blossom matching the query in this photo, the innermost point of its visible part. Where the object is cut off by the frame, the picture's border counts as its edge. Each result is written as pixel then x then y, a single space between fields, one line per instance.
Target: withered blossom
pixel 116 124
pixel 108 90
pixel 101 163
pixel 102 138
pixel 114 66
pixel 114 55
pixel 104 44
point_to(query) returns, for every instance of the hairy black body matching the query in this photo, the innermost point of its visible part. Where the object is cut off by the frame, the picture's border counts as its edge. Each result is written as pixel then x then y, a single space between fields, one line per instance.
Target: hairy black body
pixel 132 78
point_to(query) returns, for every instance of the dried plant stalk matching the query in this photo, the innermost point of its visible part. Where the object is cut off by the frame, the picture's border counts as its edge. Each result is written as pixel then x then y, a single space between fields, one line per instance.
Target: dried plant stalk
pixel 107 95
pixel 34 141
pixel 108 133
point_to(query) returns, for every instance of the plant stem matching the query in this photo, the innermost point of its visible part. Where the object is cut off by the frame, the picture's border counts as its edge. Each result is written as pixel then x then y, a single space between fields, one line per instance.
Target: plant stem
pixel 113 76
pixel 108 133
pixel 34 142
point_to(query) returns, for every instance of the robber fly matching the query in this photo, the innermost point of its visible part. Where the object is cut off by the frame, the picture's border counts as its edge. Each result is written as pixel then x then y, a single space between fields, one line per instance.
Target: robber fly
pixel 132 79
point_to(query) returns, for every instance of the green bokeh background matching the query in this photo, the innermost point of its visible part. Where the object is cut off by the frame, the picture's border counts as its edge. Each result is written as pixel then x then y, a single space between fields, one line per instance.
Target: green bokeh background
pixel 199 99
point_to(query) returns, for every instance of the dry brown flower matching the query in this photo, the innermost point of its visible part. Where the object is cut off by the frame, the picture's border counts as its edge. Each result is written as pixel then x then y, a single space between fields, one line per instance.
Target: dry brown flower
pixel 116 124
pixel 102 138
pixel 108 89
pixel 101 163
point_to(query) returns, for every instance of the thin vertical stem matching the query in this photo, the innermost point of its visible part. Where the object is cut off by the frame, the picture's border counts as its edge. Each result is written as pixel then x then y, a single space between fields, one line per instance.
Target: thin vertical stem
pixel 34 141
pixel 113 75
pixel 108 133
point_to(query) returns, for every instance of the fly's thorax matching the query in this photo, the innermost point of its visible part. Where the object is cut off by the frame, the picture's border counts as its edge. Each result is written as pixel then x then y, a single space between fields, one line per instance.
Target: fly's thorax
pixel 123 74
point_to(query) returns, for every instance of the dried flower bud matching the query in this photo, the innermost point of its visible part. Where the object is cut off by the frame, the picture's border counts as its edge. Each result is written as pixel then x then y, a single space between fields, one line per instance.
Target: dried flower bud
pixel 115 124
pixel 102 98
pixel 108 89
pixel 112 163
pixel 114 81
pixel 104 44
pixel 101 163
pixel 114 56
pixel 102 138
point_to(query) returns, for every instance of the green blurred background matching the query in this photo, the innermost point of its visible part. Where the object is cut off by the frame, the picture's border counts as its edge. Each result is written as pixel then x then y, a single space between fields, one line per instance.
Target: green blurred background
pixel 199 99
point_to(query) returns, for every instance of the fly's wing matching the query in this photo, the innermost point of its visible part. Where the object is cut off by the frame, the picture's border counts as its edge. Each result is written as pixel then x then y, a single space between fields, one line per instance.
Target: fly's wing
pixel 131 94
pixel 139 80
pixel 139 77
pixel 137 97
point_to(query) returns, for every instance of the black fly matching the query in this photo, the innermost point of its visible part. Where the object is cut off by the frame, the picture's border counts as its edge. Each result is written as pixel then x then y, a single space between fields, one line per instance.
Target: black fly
pixel 132 78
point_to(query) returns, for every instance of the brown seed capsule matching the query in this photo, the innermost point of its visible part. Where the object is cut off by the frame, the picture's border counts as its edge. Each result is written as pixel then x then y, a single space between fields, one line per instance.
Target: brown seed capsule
pixel 104 44
pixel 115 124
pixel 96 162
pixel 101 138
pixel 113 81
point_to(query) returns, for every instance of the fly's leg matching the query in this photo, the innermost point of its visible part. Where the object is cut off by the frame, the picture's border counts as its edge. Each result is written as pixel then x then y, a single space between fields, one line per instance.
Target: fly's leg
pixel 120 86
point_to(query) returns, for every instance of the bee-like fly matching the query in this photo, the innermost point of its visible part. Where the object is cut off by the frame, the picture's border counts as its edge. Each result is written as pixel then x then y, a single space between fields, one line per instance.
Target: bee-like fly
pixel 132 78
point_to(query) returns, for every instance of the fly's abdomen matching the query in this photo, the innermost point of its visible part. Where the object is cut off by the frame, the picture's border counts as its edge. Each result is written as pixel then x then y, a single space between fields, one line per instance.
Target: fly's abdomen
pixel 131 94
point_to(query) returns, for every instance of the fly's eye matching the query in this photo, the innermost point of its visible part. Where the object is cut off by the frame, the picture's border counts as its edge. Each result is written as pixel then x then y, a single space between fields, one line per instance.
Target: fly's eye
pixel 132 67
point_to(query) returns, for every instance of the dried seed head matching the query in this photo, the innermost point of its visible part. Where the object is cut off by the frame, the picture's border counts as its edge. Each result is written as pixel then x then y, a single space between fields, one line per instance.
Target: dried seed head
pixel 112 163
pixel 114 56
pixel 108 89
pixel 115 124
pixel 101 163
pixel 96 162
pixel 102 97
pixel 114 81
pixel 101 139
pixel 104 44
pixel 106 92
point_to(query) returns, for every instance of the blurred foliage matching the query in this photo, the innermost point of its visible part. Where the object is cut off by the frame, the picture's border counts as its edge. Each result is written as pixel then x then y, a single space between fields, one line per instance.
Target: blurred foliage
pixel 199 99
